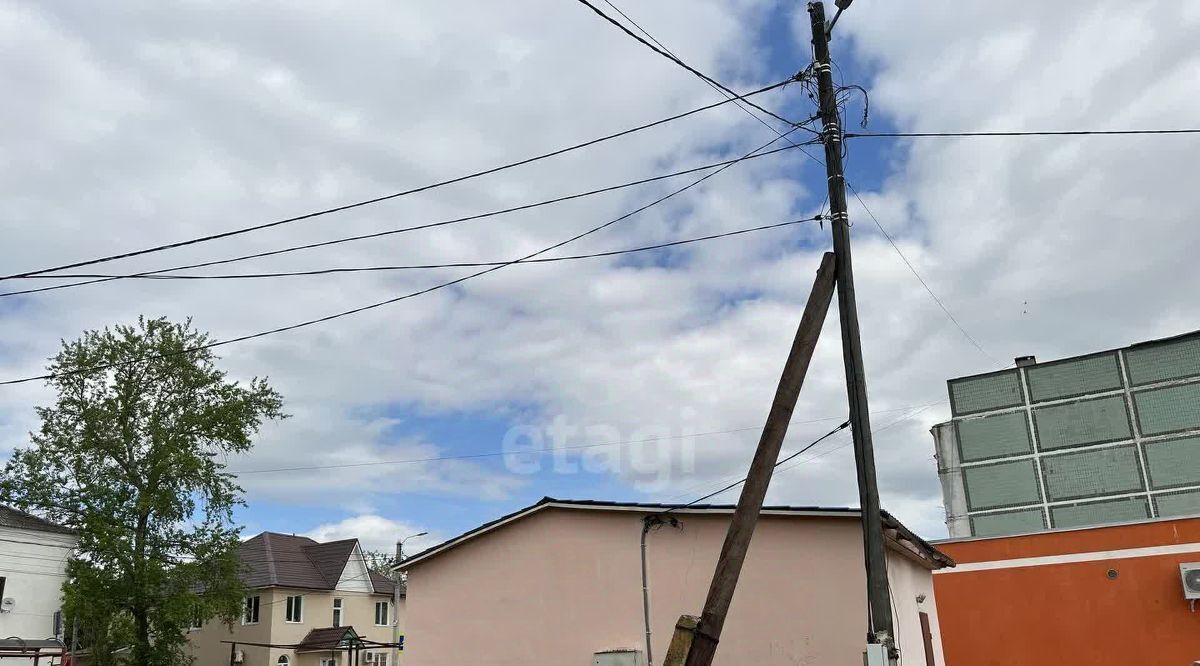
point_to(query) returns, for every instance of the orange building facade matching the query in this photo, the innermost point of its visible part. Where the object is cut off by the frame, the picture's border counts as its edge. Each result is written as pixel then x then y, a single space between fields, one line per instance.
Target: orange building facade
pixel 1100 596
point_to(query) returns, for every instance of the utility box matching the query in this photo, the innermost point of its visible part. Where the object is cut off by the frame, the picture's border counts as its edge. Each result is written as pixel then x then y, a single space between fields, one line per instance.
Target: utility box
pixel 618 657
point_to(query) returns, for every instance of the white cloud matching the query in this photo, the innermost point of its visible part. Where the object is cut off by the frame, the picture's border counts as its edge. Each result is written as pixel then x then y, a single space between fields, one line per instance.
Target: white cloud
pixel 211 119
pixel 375 533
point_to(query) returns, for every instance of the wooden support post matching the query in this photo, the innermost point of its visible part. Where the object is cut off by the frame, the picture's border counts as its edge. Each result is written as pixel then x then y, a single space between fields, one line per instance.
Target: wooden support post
pixel 745 517
pixel 681 641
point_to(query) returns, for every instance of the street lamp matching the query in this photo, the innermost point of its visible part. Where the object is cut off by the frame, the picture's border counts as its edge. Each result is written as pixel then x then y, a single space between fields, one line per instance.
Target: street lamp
pixel 400 545
pixel 396 598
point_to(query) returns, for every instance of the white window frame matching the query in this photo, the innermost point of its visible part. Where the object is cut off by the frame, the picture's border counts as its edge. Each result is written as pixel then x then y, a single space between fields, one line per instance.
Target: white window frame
pixel 339 611
pixel 387 619
pixel 376 658
pixel 251 603
pixel 195 622
pixel 328 661
pixel 292 604
pixel 283 660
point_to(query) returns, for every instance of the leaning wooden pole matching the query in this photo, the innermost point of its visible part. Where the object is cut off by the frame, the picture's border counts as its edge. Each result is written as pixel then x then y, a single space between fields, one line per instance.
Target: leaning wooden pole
pixel 745 517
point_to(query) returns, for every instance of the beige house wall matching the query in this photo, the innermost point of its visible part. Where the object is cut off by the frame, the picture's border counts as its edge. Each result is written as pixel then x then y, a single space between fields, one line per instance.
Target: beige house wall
pixel 557 586
pixel 358 611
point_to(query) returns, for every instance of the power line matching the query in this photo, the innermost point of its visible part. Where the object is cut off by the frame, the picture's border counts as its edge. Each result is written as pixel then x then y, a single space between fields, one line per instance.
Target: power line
pixel 390 301
pixel 664 52
pixel 920 279
pixel 465 264
pixel 380 234
pixel 712 83
pixel 911 135
pixel 843 426
pixel 395 195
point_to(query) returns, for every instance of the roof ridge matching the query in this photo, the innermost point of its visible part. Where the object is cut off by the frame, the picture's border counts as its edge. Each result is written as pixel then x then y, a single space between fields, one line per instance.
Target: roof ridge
pixel 269 557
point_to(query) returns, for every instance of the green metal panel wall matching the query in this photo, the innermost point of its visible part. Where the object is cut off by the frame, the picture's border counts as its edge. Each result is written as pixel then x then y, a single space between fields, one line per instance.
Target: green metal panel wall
pixel 993 436
pixel 1172 463
pixel 1000 485
pixel 1171 505
pixel 1167 410
pixel 1163 361
pixel 1065 379
pixel 1084 422
pixel 1008 522
pixel 1092 473
pixel 980 394
pixel 1098 513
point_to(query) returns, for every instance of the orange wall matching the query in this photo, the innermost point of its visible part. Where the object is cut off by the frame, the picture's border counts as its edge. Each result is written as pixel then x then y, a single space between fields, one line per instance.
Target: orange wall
pixel 1070 613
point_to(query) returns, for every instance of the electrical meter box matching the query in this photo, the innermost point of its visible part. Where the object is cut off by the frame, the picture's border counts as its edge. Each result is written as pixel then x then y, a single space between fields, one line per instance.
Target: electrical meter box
pixel 618 657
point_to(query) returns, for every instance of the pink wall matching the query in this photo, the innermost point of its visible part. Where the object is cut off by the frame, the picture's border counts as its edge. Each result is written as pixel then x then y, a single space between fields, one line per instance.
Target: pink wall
pixel 561 584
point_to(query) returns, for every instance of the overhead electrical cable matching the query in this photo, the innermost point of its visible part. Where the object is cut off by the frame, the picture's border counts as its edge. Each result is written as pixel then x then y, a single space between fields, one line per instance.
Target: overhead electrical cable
pixel 950 315
pixel 389 232
pixel 831 433
pixel 397 299
pixel 671 56
pixel 395 195
pixel 918 135
pixel 467 264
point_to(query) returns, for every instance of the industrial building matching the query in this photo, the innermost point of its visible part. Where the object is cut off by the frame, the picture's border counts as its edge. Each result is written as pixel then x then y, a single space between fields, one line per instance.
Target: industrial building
pixel 1104 438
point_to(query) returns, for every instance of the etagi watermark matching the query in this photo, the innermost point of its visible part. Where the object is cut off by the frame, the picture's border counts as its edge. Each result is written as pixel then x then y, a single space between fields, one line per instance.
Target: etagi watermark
pixel 649 456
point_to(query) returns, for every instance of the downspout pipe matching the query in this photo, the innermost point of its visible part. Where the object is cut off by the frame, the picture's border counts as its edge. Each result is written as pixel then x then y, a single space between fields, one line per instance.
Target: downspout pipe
pixel 648 523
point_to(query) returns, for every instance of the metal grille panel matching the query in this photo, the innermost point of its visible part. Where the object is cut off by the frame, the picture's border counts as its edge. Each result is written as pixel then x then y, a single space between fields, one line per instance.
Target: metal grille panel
pixel 1111 471
pixel 1173 463
pixel 1067 379
pixel 1171 409
pixel 1001 485
pixel 1172 505
pixel 1099 513
pixel 1084 422
pixel 1163 361
pixel 1008 522
pixel 980 394
pixel 994 437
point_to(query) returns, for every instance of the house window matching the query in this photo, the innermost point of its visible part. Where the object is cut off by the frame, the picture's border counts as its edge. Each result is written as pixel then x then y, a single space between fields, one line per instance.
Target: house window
pixel 295 609
pixel 337 612
pixel 283 660
pixel 250 613
pixel 58 624
pixel 381 613
pixel 328 661
pixel 197 620
pixel 376 658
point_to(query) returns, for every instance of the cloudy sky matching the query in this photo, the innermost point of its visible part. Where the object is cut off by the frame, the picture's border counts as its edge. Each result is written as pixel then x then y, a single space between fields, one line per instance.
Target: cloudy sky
pixel 133 124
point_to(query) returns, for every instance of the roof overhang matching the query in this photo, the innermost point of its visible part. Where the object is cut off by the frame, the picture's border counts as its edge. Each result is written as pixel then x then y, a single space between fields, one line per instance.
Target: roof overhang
pixel 899 537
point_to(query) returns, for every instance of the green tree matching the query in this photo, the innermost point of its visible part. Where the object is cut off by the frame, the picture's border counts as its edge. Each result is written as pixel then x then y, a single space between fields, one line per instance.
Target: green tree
pixel 132 455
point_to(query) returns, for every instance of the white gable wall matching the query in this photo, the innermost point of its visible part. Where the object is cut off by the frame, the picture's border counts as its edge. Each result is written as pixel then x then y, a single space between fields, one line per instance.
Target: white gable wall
pixel 355 577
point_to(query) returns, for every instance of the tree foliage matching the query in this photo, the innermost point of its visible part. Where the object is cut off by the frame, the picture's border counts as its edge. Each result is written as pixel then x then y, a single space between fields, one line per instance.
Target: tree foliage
pixel 133 457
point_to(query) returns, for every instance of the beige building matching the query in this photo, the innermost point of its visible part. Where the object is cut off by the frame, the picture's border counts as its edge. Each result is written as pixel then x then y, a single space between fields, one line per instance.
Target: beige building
pixel 310 597
pixel 560 581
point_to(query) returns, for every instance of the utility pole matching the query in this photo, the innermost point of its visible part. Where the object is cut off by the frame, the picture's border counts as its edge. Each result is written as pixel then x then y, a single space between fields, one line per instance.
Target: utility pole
pixel 878 599
pixel 745 516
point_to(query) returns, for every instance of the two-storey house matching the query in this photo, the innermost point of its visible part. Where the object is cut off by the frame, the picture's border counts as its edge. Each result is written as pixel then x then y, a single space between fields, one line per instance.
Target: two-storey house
pixel 307 596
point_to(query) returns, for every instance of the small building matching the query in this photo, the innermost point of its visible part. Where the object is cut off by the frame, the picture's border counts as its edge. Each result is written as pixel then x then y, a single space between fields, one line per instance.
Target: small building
pixel 308 601
pixel 33 562
pixel 1111 595
pixel 561 581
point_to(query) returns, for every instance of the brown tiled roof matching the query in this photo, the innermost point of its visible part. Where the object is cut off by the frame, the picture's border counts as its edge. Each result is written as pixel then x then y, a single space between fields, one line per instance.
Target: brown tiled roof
pixel 384 585
pixel 10 517
pixel 330 558
pixel 326 639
